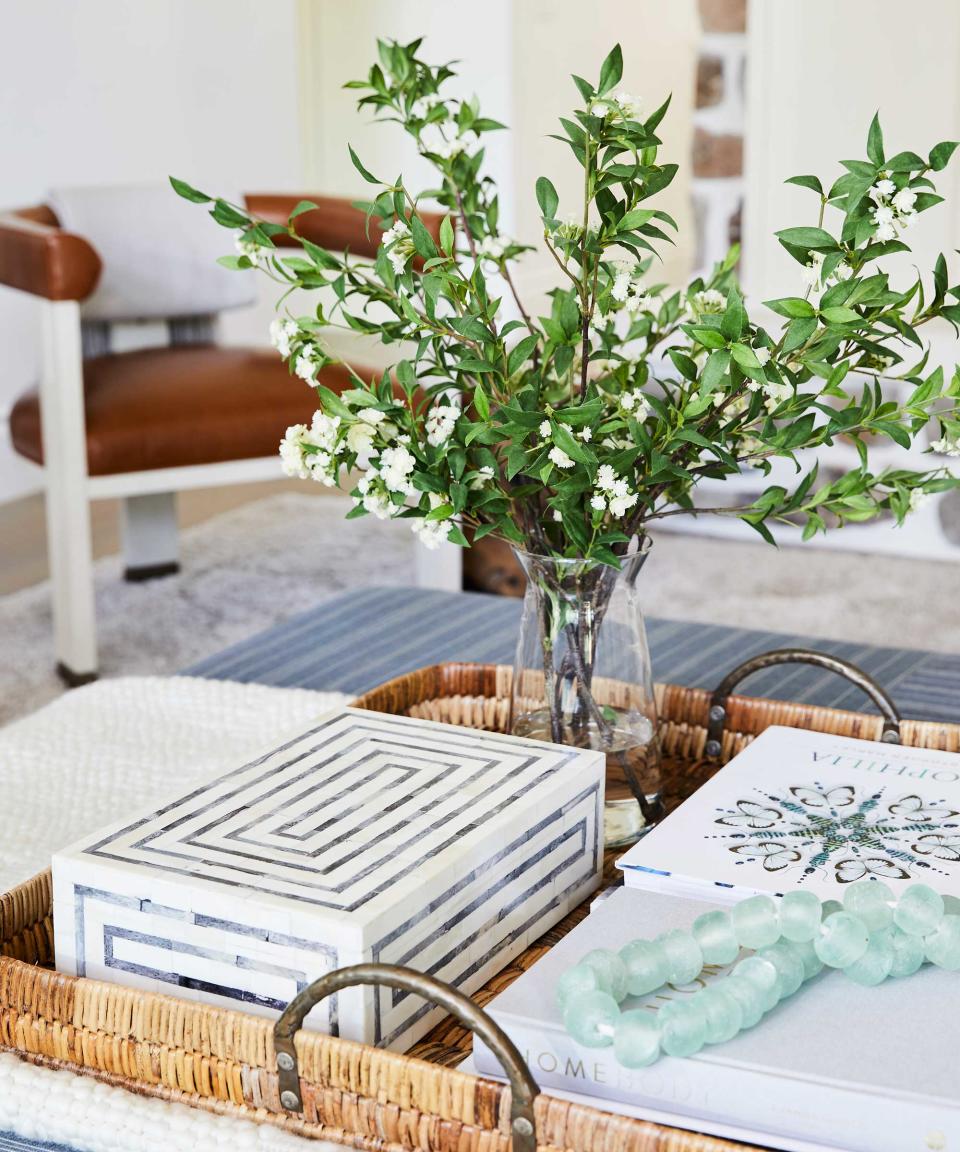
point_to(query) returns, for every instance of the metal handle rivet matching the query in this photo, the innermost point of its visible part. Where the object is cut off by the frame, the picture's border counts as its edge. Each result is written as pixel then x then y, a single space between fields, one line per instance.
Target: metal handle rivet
pixel 285 1061
pixel 717 712
pixel 713 748
pixel 523 1126
pixel 289 1101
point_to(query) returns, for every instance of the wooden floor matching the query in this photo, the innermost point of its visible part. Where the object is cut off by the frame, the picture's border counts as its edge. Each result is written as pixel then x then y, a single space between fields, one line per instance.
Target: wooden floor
pixel 23 544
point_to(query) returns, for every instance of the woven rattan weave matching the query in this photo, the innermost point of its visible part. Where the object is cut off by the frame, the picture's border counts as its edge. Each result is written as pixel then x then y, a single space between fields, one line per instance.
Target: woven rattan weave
pixel 224 1061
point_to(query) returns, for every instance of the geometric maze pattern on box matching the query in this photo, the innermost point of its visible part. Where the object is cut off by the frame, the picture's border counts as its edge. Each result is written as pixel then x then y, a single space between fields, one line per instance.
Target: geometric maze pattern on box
pixel 367 837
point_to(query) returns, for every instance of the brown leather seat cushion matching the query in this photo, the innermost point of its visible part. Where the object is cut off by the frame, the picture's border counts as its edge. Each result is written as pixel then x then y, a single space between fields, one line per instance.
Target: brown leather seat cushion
pixel 168 407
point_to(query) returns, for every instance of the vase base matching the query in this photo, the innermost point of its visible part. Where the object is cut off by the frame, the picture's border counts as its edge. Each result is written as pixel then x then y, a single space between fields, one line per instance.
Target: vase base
pixel 624 822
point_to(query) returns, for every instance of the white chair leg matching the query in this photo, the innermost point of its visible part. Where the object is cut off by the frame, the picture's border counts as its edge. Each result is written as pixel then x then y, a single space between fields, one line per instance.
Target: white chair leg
pixel 148 527
pixel 440 567
pixel 68 512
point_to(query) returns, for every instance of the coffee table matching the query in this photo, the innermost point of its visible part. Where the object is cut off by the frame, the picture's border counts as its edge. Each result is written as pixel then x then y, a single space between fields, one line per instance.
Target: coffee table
pixel 355 641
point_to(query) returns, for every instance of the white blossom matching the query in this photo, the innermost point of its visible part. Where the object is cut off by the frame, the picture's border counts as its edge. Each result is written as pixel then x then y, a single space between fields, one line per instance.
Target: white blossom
pixel 885 232
pixel 249 248
pixel 395 466
pixel 586 433
pixel 432 533
pixel 420 109
pixel 282 332
pixel 306 364
pixel 707 303
pixel 557 515
pixel 597 503
pixel 440 423
pixel 762 355
pixel 882 190
pixel 635 404
pixel 360 438
pixel 559 457
pixel 545 428
pixel 291 452
pixel 776 393
pixel 947 445
pixel 483 477
pixel 629 106
pixel 810 273
pixel 606 478
pixel 917 499
pixel 843 271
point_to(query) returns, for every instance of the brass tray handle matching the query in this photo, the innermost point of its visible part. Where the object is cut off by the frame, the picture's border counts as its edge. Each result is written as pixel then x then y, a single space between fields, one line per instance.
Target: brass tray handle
pixel 523 1087
pixel 718 703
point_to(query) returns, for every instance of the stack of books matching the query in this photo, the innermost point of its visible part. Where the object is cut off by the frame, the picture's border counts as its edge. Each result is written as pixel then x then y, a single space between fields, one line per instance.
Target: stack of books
pixel 837 1066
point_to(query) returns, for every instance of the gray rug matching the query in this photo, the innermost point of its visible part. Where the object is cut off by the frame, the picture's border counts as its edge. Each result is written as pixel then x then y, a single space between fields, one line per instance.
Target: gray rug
pixel 250 568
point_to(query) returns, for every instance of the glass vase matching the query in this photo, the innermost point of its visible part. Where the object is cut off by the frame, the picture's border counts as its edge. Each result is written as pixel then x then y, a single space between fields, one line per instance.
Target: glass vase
pixel 582 677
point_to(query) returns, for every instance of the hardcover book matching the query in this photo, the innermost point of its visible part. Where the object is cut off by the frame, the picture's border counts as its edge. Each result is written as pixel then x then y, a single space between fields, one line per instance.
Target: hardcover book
pixel 835 1066
pixel 364 838
pixel 801 809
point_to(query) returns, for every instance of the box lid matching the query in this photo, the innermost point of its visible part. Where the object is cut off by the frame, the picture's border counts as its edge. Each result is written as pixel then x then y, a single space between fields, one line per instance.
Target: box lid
pixel 351 825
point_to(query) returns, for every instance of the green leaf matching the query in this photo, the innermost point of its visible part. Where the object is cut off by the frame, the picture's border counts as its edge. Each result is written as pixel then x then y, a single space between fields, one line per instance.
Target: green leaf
pixel 422 240
pixel 714 370
pixel 441 512
pixel 840 315
pixel 331 402
pixel 940 154
pixel 745 356
pixel 611 70
pixel 547 198
pixel 183 189
pixel 302 206
pixel 791 307
pixel 684 364
pixel 809 238
pixel 733 318
pixel 635 219
pixel 810 182
pixel 875 141
pixel 446 236
pixel 905 162
pixel 521 352
pixel 573 447
pixel 228 216
pixel 368 176
pixel 481 403
pixel 709 337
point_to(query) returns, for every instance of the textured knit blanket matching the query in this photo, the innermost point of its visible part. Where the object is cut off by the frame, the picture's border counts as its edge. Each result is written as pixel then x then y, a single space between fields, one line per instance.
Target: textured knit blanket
pixel 82 762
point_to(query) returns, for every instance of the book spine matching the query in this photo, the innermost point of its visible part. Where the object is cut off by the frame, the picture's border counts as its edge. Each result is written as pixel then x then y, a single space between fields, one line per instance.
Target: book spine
pixel 800 1110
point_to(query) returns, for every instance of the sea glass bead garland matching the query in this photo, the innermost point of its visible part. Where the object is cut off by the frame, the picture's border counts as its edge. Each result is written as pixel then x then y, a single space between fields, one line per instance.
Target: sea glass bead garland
pixel 870 937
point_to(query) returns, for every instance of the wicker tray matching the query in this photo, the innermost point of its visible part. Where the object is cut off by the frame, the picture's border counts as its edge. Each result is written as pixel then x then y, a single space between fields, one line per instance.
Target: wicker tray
pixel 226 1062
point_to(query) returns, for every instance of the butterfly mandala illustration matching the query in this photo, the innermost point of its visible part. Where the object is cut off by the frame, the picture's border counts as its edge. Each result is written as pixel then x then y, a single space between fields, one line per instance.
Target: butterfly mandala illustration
pixel 852 835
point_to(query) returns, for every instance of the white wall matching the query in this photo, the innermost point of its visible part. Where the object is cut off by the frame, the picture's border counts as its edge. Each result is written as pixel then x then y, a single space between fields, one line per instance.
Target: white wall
pixel 112 91
pixel 516 56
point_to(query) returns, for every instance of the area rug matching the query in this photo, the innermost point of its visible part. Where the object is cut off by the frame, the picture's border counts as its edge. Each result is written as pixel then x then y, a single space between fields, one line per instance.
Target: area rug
pixel 250 568
pixel 241 572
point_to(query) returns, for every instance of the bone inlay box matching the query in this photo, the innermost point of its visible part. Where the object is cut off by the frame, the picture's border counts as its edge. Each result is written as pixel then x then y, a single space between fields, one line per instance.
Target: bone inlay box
pixel 366 838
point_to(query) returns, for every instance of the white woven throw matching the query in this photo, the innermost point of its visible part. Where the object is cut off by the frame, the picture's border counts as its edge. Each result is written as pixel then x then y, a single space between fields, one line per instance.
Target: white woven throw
pixel 97 752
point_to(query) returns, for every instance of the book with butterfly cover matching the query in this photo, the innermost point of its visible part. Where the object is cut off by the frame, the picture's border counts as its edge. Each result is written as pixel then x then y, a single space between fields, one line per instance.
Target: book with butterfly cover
pixel 801 809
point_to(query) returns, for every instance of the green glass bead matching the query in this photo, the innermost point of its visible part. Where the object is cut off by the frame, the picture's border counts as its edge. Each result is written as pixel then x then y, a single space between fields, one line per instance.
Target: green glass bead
pixel 683 1027
pixel 636 1038
pixel 646 964
pixel 799 916
pixel 576 980
pixel 812 964
pixel 919 910
pixel 875 965
pixel 872 902
pixel 713 931
pixel 842 940
pixel 684 958
pixel 591 1017
pixel 750 998
pixel 789 967
pixel 908 952
pixel 756 922
pixel 943 944
pixel 763 974
pixel 611 970
pixel 721 1011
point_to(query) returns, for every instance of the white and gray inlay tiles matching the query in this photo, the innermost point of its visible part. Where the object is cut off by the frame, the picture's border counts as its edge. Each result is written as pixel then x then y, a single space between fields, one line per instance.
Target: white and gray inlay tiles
pixel 366 837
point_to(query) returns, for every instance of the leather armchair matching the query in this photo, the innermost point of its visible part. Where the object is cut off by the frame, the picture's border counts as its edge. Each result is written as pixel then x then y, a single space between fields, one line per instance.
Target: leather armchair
pixel 143 425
